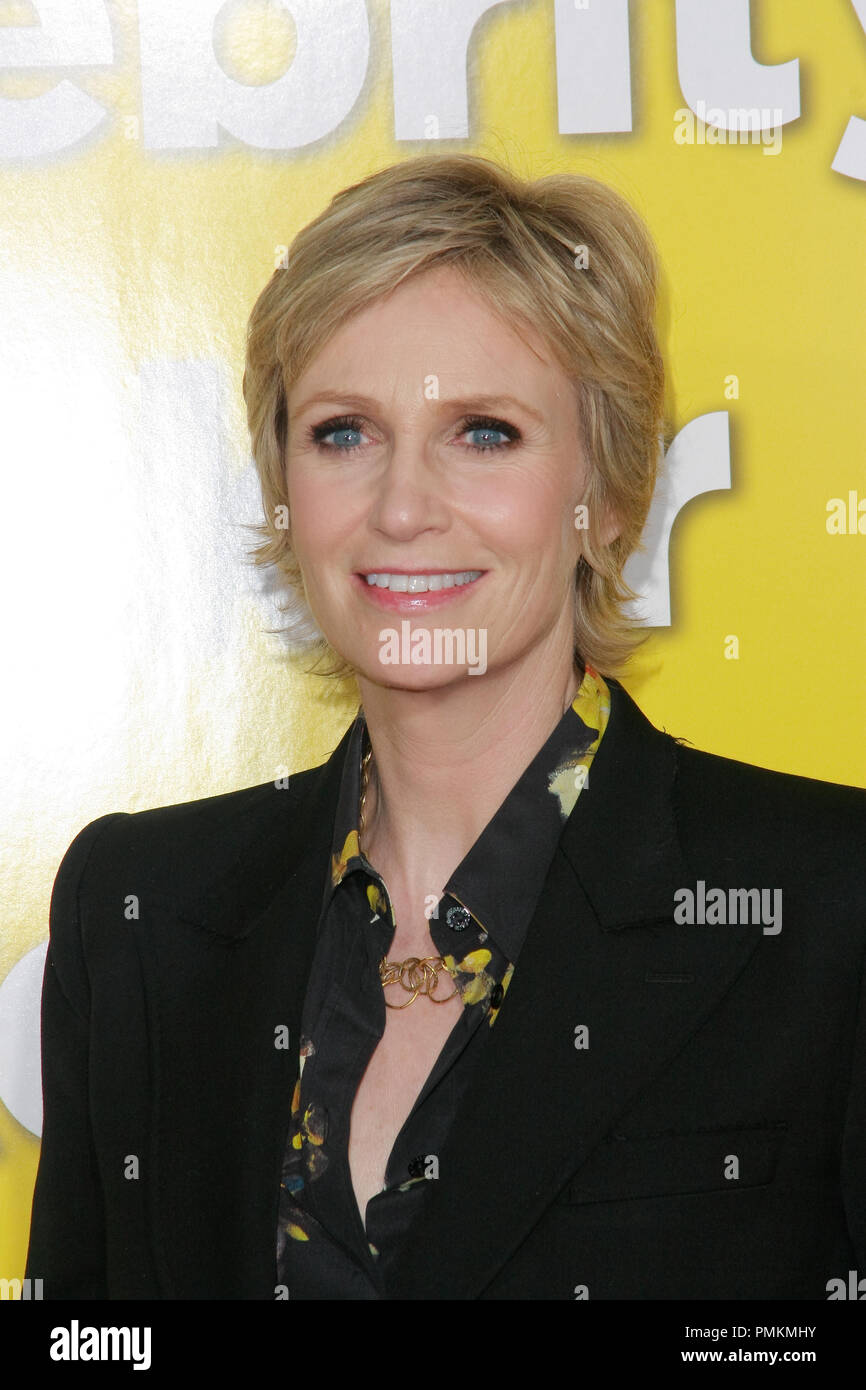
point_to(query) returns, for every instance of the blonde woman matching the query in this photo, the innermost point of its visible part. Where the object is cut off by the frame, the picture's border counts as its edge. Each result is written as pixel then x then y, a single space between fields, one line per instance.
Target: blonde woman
pixel 516 996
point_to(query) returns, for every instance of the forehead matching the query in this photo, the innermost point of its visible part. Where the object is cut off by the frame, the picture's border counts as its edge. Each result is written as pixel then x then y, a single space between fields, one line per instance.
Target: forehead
pixel 435 324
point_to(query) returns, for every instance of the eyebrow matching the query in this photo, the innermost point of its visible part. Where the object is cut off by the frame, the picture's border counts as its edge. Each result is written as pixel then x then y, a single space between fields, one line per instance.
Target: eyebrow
pixel 465 404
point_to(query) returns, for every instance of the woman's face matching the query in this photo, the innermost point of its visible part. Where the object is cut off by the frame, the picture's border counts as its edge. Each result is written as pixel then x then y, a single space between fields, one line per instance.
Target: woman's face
pixel 427 442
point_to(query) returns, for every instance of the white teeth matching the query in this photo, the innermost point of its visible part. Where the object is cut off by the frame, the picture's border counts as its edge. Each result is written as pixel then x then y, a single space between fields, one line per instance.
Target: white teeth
pixel 420 583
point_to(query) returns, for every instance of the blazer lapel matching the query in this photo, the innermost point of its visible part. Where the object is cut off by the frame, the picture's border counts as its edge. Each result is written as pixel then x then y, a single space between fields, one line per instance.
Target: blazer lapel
pixel 602 953
pixel 226 965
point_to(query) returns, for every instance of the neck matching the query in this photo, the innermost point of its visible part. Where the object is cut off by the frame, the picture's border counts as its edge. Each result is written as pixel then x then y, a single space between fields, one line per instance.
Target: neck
pixel 445 760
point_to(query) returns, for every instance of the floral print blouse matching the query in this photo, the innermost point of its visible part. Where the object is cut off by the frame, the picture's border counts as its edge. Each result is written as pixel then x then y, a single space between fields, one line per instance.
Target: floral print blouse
pixel 324 1248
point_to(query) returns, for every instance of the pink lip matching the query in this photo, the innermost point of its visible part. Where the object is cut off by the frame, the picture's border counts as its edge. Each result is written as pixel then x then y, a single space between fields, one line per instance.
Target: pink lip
pixel 414 603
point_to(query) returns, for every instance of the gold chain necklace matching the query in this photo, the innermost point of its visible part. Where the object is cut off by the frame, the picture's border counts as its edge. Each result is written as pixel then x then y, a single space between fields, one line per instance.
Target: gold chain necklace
pixel 414 975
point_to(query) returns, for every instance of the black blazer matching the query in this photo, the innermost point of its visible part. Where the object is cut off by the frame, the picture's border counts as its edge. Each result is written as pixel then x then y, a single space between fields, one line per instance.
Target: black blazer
pixel 708 1143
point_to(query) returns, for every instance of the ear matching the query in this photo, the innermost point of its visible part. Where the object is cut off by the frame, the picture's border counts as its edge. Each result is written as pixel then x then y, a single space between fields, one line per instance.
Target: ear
pixel 605 527
pixel 609 526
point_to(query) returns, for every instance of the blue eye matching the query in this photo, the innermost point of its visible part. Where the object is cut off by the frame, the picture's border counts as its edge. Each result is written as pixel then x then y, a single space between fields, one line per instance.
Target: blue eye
pixel 340 440
pixel 338 429
pixel 486 442
pixel 487 429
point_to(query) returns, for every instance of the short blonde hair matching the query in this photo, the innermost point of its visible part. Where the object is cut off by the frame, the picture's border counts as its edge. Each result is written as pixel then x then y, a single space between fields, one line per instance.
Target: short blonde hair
pixel 564 255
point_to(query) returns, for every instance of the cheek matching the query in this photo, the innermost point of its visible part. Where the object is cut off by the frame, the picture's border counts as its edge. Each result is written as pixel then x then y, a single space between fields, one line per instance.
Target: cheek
pixel 314 511
pixel 536 519
pixel 301 487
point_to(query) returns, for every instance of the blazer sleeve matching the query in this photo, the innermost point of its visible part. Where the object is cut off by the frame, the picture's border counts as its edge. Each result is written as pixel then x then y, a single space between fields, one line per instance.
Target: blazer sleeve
pixel 67 1229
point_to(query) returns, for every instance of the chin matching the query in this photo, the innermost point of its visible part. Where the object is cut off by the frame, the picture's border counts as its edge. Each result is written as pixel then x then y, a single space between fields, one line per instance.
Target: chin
pixel 417 678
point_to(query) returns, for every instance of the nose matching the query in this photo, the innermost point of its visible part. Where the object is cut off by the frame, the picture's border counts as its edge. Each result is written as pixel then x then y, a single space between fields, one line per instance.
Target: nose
pixel 408 493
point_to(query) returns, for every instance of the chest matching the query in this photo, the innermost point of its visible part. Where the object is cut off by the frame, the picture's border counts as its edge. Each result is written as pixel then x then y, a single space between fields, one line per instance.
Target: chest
pixel 395 1076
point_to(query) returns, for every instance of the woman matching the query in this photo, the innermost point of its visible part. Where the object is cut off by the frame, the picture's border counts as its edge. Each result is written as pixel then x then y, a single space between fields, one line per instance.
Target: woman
pixel 516 996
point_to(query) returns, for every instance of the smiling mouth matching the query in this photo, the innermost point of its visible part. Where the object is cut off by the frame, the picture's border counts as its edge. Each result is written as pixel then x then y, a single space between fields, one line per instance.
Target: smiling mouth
pixel 420 583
